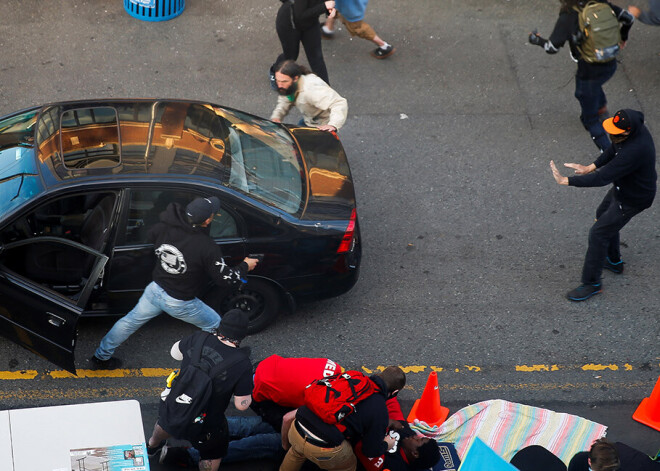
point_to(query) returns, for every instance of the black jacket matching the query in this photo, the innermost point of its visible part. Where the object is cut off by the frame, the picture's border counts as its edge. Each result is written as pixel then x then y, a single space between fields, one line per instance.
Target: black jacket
pixel 188 257
pixel 305 12
pixel 630 165
pixel 566 29
pixel 369 422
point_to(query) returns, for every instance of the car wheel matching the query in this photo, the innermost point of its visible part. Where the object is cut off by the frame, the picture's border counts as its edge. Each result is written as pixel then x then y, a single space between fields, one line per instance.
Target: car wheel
pixel 259 299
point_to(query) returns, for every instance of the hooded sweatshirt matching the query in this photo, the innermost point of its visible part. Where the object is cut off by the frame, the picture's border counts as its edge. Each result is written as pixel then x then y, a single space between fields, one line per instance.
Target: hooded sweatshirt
pixel 629 165
pixel 188 257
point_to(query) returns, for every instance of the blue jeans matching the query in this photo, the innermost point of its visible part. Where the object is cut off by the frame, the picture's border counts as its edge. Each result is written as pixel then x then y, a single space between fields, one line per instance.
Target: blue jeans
pixel 153 301
pixel 250 439
pixel 589 92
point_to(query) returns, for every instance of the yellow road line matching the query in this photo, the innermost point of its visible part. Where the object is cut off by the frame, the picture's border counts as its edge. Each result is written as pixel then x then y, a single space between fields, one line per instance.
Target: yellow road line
pixel 408 369
pixel 77 393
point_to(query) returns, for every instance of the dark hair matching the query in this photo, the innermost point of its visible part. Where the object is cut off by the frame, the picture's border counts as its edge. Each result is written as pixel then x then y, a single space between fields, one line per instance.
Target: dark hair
pixel 394 378
pixel 429 455
pixel 291 69
pixel 603 456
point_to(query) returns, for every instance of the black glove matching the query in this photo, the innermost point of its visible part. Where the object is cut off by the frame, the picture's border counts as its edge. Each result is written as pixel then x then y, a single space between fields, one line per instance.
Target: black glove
pixel 535 39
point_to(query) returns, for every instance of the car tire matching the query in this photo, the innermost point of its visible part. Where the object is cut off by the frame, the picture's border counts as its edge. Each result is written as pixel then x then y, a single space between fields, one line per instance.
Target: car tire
pixel 259 298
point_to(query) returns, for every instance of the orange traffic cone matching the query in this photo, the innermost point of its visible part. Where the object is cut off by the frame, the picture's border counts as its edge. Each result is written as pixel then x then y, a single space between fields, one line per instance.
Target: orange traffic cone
pixel 648 411
pixel 428 409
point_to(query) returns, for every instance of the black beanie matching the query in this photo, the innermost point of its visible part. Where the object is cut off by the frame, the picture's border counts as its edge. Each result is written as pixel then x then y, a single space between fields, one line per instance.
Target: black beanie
pixel 233 325
pixel 429 455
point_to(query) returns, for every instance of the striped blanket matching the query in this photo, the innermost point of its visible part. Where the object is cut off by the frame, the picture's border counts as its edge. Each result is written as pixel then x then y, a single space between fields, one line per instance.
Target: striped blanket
pixel 507 427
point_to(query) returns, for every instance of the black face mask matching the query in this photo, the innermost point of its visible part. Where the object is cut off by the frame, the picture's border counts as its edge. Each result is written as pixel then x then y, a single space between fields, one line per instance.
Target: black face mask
pixel 618 138
pixel 288 91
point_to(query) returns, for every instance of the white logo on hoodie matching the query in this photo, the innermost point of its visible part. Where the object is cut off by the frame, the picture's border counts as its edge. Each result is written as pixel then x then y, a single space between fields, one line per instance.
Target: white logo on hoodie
pixel 171 259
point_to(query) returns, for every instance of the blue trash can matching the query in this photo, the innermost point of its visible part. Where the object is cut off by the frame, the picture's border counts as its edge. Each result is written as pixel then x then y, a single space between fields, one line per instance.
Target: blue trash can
pixel 154 10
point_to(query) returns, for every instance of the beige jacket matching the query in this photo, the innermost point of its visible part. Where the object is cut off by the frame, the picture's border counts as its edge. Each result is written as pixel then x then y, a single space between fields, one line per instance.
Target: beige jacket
pixel 317 102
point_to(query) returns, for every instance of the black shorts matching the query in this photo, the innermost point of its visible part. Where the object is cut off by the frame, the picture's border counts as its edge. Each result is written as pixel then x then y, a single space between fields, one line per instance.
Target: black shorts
pixel 214 441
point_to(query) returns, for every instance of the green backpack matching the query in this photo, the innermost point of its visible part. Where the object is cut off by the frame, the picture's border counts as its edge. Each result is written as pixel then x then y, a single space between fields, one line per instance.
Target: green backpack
pixel 599 31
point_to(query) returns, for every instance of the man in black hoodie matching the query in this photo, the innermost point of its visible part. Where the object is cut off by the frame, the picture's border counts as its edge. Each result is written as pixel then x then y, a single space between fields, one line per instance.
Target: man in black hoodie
pixel 187 257
pixel 629 164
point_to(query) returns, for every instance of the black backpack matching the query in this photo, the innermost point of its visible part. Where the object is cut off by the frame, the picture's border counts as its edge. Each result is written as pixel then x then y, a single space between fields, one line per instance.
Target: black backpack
pixel 182 411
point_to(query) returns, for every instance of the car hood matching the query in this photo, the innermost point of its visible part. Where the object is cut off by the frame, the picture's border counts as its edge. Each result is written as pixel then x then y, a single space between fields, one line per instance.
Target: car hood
pixel 331 195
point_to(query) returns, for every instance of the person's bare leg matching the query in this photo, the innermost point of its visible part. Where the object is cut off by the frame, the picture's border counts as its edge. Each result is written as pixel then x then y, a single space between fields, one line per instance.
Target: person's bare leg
pixel 157 436
pixel 209 465
pixel 379 42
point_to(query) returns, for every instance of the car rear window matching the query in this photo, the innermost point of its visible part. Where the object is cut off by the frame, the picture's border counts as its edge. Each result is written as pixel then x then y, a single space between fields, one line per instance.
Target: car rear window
pixel 265 162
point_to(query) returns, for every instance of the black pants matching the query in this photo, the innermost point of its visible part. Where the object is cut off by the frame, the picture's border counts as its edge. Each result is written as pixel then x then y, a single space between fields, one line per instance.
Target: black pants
pixel 291 37
pixel 611 216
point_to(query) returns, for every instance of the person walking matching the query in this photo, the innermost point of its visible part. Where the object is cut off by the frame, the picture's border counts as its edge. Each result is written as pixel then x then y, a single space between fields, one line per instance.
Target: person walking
pixel 628 164
pixel 298 22
pixel 650 16
pixel 351 13
pixel 320 105
pixel 234 379
pixel 187 258
pixel 591 75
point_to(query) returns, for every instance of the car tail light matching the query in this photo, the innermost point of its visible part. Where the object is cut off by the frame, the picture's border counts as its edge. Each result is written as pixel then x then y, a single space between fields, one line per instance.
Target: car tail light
pixel 347 240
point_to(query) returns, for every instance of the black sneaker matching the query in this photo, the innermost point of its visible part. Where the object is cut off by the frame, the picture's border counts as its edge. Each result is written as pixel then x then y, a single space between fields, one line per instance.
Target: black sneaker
pixel 584 292
pixel 271 79
pixel 153 450
pixel 111 363
pixel 613 267
pixel 380 53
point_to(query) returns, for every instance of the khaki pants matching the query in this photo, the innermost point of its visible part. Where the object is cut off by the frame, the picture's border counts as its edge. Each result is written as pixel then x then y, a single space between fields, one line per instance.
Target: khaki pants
pixel 339 458
pixel 361 29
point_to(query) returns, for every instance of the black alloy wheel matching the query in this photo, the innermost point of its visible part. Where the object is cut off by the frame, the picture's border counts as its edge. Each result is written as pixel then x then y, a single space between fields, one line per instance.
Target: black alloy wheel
pixel 259 299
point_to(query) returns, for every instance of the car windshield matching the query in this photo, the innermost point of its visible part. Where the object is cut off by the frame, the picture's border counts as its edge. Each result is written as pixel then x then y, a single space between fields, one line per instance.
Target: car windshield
pixel 19 177
pixel 265 163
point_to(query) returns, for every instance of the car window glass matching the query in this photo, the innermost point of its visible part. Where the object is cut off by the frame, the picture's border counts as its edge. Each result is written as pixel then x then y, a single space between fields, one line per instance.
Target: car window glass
pixel 146 205
pixel 188 138
pixel 83 217
pixel 90 138
pixel 264 161
pixel 52 264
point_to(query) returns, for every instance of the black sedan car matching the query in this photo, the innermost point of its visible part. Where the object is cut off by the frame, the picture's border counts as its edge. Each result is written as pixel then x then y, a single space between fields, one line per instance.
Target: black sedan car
pixel 82 182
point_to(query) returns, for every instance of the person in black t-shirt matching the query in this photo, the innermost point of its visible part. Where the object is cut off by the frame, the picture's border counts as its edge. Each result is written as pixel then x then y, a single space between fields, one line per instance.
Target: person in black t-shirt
pixel 236 380
pixel 590 77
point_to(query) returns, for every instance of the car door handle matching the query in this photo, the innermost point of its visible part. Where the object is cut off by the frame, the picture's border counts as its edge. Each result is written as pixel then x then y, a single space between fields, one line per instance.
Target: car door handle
pixel 55 320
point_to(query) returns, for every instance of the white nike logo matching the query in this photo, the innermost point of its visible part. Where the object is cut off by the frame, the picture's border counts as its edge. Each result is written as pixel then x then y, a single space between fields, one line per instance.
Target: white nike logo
pixel 184 399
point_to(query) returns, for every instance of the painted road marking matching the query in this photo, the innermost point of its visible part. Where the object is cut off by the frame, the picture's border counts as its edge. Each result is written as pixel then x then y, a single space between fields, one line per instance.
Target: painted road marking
pixel 410 369
pixel 78 393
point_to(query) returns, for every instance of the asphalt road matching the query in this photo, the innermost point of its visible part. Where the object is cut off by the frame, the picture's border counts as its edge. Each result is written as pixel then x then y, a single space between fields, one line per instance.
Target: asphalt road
pixel 469 245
